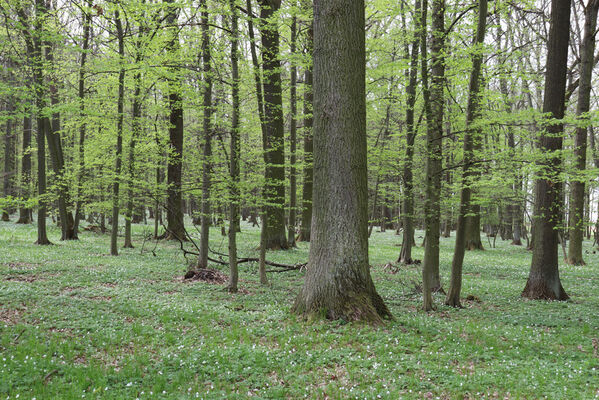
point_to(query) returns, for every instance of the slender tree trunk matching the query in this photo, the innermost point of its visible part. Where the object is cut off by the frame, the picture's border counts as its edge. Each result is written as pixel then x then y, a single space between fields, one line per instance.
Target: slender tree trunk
pixel 405 255
pixel 577 193
pixel 42 236
pixel 235 152
pixel 338 284
pixel 24 211
pixel 274 145
pixel 135 133
pixel 434 149
pixel 53 138
pixel 306 223
pixel 293 139
pixel 174 209
pixel 472 113
pixel 87 19
pixel 9 167
pixel 543 280
pixel 119 137
pixel 207 127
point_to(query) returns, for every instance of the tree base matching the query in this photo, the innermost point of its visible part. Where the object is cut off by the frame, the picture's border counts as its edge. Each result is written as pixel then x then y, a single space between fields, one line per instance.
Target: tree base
pixel 23 221
pixel 364 306
pixel 45 242
pixel 302 237
pixel 516 242
pixel 575 261
pixel 474 245
pixel 539 290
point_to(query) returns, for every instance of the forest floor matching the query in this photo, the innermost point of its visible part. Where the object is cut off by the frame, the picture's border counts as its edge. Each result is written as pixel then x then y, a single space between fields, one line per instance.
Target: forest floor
pixel 77 323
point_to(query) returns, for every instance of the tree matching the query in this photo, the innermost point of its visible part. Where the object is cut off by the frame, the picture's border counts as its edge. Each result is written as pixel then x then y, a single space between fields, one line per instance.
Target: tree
pixel 119 135
pixel 293 137
pixel 273 140
pixel 174 207
pixel 577 194
pixel 338 284
pixel 543 279
pixel 235 151
pixel 434 153
pixel 306 223
pixel 472 114
pixel 207 128
pixel 405 255
pixel 38 79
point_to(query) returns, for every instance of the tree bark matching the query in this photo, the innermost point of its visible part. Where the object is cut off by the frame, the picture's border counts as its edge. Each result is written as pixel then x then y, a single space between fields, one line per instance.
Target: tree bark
pixel 472 113
pixel 292 138
pixel 405 255
pixel 306 223
pixel 87 19
pixel 434 153
pixel 235 151
pixel 338 284
pixel 577 193
pixel 543 280
pixel 207 153
pixel 40 10
pixel 273 143
pixel 174 209
pixel 119 137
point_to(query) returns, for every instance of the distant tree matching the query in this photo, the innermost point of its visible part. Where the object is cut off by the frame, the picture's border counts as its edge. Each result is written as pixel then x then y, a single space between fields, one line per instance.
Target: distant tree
pixel 577 193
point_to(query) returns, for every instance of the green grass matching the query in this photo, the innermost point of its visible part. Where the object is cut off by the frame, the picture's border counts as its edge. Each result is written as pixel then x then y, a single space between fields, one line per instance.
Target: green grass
pixel 77 323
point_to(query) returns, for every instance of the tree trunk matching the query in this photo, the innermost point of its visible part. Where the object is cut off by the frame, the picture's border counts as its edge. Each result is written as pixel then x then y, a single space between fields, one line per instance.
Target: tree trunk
pixel 543 280
pixel 235 151
pixel 42 236
pixel 24 211
pixel 273 141
pixel 306 224
pixel 174 208
pixel 405 255
pixel 434 150
pixel 207 127
pixel 292 139
pixel 472 113
pixel 135 133
pixel 119 137
pixel 577 193
pixel 8 161
pixel 338 284
pixel 87 19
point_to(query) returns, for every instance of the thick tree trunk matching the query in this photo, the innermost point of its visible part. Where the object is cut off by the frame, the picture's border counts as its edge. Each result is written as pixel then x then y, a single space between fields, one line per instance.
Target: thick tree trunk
pixel 338 284
pixel 577 193
pixel 543 280
pixel 405 255
pixel 274 145
pixel 292 139
pixel 207 128
pixel 235 152
pixel 306 223
pixel 119 138
pixel 472 112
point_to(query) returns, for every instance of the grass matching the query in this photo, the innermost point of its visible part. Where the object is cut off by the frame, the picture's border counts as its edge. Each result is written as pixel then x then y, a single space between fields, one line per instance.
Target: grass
pixel 77 323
